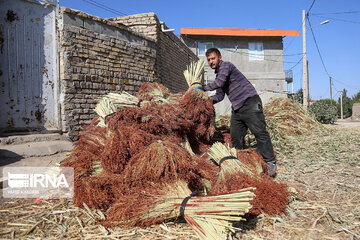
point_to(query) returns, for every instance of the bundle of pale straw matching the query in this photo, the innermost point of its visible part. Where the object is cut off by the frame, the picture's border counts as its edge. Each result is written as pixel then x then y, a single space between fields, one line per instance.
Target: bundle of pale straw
pixel 123 99
pixel 111 102
pixel 226 158
pixel 193 73
pixel 210 216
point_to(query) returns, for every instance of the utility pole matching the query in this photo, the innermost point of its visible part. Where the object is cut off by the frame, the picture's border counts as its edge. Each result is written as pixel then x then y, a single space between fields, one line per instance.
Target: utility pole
pixel 305 94
pixel 341 106
pixel 308 85
pixel 330 90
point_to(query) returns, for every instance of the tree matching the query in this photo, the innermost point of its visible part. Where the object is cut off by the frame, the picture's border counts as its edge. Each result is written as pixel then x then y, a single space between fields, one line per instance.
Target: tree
pixel 325 110
pixel 356 98
pixel 297 97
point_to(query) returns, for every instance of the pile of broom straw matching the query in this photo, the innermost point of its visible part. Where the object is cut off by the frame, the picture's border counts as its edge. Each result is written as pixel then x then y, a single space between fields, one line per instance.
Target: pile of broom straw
pixel 151 158
pixel 285 119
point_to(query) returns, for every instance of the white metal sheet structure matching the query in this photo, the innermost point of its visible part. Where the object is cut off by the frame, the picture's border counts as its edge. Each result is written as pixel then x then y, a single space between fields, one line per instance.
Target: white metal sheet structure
pixel 28 65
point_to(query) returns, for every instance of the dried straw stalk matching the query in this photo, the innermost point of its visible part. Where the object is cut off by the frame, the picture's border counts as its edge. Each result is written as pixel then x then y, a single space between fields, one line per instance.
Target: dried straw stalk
pixel 193 72
pixel 218 151
pixel 111 102
pixel 209 215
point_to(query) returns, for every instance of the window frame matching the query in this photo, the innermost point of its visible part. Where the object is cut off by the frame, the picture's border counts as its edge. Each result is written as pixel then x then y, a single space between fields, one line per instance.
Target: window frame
pixel 206 44
pixel 255 54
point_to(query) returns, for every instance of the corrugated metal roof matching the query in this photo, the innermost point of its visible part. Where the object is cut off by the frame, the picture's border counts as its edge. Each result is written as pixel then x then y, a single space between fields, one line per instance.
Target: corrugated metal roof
pixel 238 32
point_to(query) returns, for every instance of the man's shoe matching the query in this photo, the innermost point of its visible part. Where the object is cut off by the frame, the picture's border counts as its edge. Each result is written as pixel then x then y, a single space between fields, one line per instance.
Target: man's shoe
pixel 271 169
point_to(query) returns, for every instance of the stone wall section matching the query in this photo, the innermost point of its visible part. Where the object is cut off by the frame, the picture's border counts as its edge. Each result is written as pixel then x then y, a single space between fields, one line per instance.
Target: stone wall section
pixel 144 23
pixel 93 64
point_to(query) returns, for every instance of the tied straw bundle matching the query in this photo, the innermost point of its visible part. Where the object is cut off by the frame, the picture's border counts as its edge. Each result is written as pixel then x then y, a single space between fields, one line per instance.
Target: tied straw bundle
pixel 111 102
pixel 193 72
pixel 226 158
pixel 271 197
pixel 210 216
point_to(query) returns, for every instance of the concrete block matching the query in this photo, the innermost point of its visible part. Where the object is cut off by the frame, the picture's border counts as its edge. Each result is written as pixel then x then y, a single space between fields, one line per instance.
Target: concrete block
pixel 73 20
pixel 356 111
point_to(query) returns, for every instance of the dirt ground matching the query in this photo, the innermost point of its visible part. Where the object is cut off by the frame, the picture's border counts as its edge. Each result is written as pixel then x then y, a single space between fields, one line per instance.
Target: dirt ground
pixel 323 170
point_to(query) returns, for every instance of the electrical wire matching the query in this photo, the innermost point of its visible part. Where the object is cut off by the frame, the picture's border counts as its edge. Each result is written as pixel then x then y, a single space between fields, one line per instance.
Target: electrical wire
pixel 255 54
pixel 295 64
pixel 349 12
pixel 307 13
pixel 345 84
pixel 104 7
pixel 246 53
pixel 317 47
pixel 337 19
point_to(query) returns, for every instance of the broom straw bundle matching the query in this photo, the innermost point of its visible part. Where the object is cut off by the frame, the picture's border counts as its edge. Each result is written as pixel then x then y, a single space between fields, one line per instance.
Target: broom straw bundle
pixel 210 216
pixel 193 72
pixel 226 158
pixel 123 99
pixel 111 102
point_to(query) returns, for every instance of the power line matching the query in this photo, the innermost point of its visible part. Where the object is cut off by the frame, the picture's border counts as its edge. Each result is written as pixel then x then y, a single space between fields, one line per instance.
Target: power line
pixel 337 19
pixel 295 64
pixel 254 54
pixel 317 47
pixel 345 84
pixel 349 12
pixel 307 13
pixel 250 54
pixel 104 7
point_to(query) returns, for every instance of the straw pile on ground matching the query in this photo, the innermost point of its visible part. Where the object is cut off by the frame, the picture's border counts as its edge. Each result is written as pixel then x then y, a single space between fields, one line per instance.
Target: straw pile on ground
pixel 285 119
pixel 143 156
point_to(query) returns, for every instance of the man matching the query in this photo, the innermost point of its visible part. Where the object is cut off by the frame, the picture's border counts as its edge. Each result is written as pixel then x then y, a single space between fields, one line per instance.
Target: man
pixel 246 107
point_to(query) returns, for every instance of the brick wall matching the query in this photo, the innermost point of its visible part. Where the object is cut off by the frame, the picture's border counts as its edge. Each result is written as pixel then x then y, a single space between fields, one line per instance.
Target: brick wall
pixel 172 54
pixel 97 57
pixel 144 23
pixel 173 58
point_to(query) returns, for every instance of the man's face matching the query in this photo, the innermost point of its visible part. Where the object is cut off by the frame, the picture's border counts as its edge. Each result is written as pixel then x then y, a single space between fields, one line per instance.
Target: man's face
pixel 213 60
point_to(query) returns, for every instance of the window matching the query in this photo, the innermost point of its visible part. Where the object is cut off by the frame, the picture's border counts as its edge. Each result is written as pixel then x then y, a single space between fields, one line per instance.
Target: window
pixel 203 46
pixel 256 51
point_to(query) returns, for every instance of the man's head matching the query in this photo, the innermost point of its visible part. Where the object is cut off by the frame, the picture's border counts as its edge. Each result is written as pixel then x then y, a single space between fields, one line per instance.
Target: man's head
pixel 213 56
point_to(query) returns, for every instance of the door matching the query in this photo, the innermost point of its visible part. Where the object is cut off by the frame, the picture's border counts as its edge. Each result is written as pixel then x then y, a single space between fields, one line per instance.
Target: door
pixel 28 66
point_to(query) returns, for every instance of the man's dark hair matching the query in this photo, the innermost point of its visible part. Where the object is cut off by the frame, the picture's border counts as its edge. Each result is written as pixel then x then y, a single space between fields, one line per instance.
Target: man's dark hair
pixel 211 50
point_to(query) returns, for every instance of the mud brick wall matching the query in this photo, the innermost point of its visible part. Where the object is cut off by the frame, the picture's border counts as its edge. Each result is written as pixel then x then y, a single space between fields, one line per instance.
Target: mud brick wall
pixel 144 23
pixel 98 57
pixel 172 54
pixel 173 58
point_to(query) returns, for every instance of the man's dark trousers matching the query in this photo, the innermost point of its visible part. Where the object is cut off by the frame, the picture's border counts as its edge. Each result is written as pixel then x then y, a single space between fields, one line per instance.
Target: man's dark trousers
pixel 251 116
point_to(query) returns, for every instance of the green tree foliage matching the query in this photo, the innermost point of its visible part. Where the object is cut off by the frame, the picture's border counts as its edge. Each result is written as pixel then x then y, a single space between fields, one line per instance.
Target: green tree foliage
pixel 297 97
pixel 356 98
pixel 325 110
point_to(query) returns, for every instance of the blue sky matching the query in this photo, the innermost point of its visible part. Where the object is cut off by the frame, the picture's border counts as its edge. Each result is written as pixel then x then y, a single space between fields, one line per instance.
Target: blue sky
pixel 338 41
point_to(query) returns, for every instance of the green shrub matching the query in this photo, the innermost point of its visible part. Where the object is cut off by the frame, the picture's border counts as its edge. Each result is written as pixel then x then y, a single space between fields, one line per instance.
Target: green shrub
pixel 297 97
pixel 325 110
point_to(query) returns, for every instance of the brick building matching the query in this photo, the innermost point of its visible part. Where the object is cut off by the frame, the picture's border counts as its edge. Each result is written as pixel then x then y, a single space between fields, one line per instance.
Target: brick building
pixel 52 81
